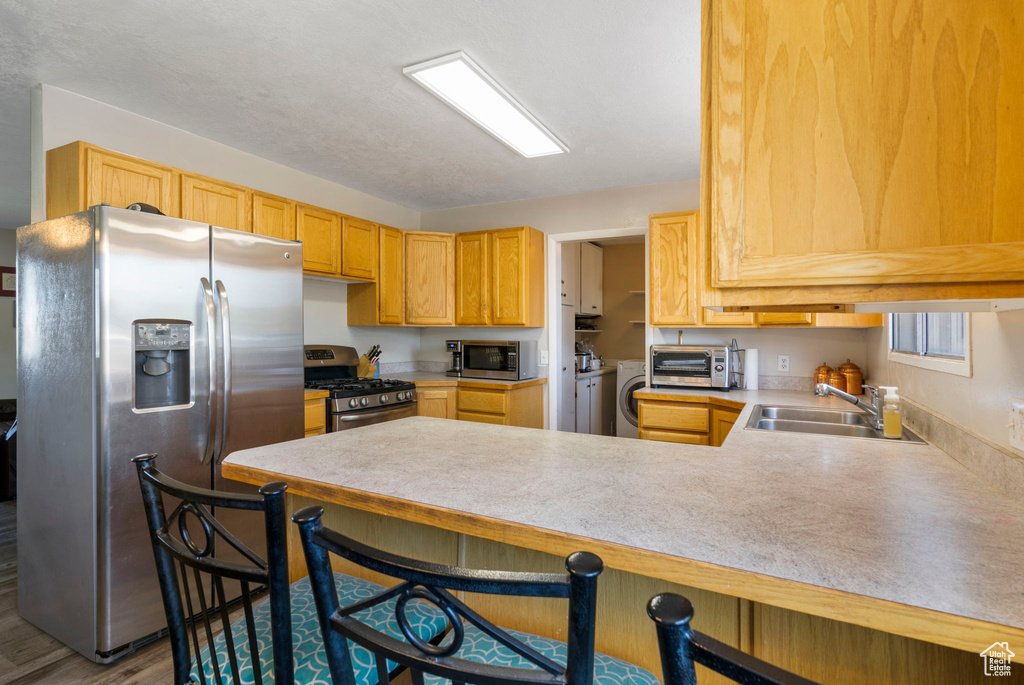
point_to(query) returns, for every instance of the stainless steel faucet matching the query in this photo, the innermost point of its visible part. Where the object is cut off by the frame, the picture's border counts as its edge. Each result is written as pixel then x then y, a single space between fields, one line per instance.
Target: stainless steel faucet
pixel 874 409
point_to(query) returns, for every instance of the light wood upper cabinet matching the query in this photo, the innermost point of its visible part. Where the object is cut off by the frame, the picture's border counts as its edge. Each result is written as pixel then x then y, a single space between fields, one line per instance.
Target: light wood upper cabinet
pixel 472 279
pixel 591 279
pixel 273 216
pixel 674 246
pixel 358 248
pixel 320 233
pixel 784 319
pixel 79 175
pixel 517 277
pixel 391 276
pixel 215 202
pixel 727 319
pixel 864 143
pixel 429 279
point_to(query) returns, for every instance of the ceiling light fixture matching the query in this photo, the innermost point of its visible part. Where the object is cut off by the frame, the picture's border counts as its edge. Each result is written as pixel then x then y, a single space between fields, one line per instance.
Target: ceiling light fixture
pixel 460 82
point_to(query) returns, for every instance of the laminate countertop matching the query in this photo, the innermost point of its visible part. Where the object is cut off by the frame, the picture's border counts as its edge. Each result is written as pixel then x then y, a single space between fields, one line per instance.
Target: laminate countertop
pixel 429 379
pixel 889 535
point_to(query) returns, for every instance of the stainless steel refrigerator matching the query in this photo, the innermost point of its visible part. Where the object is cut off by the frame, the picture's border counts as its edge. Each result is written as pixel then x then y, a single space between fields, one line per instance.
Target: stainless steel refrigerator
pixel 139 333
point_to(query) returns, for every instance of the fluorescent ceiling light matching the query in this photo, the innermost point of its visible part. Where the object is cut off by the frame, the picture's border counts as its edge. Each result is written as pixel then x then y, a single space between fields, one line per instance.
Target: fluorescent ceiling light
pixel 461 83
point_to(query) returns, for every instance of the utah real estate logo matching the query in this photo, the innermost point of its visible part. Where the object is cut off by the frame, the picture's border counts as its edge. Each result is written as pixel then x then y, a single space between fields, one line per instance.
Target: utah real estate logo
pixel 997 659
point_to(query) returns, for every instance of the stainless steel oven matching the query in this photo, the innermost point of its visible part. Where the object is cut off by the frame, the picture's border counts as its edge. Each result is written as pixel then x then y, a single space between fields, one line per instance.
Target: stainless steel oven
pixel 365 417
pixel 505 359
pixel 698 366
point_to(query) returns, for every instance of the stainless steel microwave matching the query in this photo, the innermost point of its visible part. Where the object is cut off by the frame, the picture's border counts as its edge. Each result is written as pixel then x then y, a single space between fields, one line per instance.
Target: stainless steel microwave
pixel 698 366
pixel 503 359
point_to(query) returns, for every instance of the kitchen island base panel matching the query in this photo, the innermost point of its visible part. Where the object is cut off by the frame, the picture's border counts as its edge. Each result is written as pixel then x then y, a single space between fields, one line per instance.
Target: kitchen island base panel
pixel 821 649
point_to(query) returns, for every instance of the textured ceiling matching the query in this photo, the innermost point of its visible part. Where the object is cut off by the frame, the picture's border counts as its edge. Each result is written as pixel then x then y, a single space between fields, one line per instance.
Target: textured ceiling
pixel 317 85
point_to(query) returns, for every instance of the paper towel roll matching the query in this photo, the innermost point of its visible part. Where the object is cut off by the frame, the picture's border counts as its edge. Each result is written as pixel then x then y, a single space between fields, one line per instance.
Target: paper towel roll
pixel 750 369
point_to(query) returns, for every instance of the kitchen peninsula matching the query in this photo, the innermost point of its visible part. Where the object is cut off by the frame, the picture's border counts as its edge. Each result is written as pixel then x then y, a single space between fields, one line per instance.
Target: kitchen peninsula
pixel 848 560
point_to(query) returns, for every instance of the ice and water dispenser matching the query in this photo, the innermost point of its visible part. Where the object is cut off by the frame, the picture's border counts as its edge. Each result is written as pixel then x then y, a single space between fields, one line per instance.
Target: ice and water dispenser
pixel 163 374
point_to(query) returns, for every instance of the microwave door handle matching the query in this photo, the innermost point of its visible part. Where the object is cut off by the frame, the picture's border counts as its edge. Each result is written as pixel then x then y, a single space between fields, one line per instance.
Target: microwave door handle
pixel 211 324
pixel 225 323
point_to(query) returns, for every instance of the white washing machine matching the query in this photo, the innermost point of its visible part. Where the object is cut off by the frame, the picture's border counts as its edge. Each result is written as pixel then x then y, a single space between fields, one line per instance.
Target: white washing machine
pixel 631 376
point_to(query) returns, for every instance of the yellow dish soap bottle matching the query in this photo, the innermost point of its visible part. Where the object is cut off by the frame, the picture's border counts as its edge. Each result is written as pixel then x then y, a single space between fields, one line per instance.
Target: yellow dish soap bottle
pixel 892 419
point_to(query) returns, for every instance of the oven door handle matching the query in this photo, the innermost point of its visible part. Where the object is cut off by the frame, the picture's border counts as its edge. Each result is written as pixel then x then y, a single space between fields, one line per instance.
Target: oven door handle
pixel 373 415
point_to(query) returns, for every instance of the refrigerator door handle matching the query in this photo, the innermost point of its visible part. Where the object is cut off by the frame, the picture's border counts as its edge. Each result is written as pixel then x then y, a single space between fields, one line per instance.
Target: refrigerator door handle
pixel 211 324
pixel 225 321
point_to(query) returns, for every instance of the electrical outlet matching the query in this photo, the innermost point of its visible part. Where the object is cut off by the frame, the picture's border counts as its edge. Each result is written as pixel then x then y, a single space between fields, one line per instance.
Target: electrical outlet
pixel 1017 424
pixel 784 363
pixel 543 357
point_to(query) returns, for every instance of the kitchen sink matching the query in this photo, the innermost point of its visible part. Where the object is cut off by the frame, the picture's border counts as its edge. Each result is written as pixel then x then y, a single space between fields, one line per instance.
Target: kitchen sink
pixel 838 422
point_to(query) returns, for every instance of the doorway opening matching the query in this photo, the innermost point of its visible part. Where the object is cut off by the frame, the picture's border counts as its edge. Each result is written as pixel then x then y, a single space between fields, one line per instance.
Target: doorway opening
pixel 596 297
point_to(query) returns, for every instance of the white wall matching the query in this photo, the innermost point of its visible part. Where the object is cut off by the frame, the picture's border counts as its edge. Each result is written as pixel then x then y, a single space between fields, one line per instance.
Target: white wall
pixel 615 208
pixel 807 347
pixel 60 117
pixel 8 374
pixel 981 403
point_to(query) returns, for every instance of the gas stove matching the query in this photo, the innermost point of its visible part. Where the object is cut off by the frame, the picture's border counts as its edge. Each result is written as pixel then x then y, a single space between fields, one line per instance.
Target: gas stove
pixel 362 393
pixel 355 401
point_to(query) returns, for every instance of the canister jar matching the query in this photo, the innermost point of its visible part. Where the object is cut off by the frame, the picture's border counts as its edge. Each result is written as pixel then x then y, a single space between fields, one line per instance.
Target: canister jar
pixel 854 377
pixel 837 380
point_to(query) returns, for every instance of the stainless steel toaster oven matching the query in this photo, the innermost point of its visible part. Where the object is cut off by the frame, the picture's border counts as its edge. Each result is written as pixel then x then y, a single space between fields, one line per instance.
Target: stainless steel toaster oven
pixel 698 366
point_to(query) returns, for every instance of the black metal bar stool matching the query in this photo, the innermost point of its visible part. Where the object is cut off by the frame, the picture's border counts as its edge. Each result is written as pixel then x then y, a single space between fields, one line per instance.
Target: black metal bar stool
pixel 682 647
pixel 275 641
pixel 474 650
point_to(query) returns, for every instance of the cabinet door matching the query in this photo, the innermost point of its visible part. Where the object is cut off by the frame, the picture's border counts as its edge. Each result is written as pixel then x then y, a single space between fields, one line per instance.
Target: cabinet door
pixel 508 277
pixel 894 134
pixel 120 180
pixel 571 276
pixel 674 246
pixel 583 405
pixel 429 279
pixel 215 202
pixel 320 233
pixel 722 421
pixel 472 281
pixel 436 402
pixel 358 248
pixel 731 319
pixel 767 319
pixel 273 216
pixel 597 417
pixel 591 279
pixel 391 277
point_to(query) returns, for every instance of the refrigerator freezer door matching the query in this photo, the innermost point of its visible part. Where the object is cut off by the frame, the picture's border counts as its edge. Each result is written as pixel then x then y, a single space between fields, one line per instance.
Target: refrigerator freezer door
pixel 149 269
pixel 259 310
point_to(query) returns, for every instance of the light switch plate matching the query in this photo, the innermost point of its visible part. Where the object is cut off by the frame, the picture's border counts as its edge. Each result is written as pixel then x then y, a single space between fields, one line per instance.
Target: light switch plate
pixel 543 357
pixel 1017 424
pixel 784 363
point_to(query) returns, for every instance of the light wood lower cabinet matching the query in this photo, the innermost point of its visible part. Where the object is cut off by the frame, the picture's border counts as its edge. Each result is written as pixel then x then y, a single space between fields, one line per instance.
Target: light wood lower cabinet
pixel 691 423
pixel 512 407
pixel 315 412
pixel 215 202
pixel 436 402
pixel 429 279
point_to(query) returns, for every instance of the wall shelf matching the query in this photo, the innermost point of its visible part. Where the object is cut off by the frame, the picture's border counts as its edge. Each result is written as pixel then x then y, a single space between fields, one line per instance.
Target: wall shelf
pixel 638 322
pixel 588 330
pixel 637 292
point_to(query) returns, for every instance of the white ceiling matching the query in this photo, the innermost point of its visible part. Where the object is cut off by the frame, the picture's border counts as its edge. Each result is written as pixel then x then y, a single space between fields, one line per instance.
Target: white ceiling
pixel 317 85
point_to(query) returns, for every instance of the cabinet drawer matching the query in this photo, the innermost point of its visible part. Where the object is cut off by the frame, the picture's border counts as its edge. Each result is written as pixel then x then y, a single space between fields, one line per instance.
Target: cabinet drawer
pixel 674 436
pixel 497 419
pixel 484 401
pixel 673 416
pixel 315 415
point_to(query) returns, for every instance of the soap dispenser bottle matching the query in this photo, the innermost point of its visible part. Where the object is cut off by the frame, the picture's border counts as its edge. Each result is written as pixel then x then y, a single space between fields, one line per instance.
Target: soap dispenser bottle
pixel 892 418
